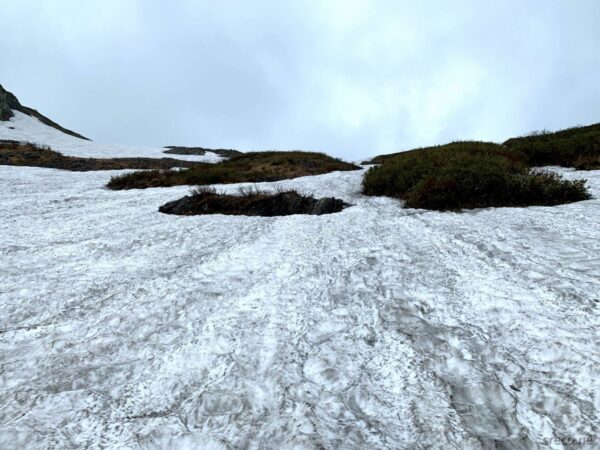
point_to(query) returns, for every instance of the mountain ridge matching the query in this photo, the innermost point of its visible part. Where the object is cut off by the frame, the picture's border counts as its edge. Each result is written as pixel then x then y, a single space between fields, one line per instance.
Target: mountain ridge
pixel 10 103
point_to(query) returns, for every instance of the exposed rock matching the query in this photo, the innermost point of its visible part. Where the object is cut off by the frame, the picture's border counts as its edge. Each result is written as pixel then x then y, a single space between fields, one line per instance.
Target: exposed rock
pixel 8 102
pixel 261 204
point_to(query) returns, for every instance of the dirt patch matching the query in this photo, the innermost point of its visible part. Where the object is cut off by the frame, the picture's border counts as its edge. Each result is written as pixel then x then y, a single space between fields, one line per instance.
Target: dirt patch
pixel 254 204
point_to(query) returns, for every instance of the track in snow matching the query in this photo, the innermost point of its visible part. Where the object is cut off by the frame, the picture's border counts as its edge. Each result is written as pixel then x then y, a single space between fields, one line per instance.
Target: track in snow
pixel 377 327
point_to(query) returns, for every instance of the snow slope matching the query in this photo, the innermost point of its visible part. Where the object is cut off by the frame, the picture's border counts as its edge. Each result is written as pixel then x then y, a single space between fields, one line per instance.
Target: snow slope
pixel 377 327
pixel 22 127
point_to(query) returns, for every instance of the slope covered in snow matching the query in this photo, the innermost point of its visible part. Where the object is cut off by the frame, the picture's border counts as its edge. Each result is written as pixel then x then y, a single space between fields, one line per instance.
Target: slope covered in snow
pixel 25 128
pixel 376 327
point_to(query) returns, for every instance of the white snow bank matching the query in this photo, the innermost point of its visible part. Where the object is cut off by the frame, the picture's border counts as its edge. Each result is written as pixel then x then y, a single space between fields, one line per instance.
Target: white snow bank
pixel 376 327
pixel 29 129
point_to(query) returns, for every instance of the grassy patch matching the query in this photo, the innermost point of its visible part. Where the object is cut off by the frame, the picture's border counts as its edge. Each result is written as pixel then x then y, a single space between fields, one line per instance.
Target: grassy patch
pixel 577 147
pixel 468 175
pixel 13 153
pixel 247 167
pixel 251 202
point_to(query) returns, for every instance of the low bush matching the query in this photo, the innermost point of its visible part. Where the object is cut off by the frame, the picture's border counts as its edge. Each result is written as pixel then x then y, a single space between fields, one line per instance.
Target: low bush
pixel 251 202
pixel 577 147
pixel 468 175
pixel 248 167
pixel 589 162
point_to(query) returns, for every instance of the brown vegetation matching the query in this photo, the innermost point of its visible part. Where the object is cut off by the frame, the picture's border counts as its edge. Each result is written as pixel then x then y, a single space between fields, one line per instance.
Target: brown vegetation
pixel 13 153
pixel 251 202
pixel 247 167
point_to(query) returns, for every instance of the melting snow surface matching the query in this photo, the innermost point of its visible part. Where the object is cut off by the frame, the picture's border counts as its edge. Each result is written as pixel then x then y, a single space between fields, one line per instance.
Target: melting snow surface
pixel 377 327
pixel 24 128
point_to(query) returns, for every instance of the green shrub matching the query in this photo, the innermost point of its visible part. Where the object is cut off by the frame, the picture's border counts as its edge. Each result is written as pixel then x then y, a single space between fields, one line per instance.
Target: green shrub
pixel 577 147
pixel 468 175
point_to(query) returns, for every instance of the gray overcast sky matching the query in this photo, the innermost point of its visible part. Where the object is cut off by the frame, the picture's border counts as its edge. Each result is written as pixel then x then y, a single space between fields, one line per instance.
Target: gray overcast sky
pixel 349 77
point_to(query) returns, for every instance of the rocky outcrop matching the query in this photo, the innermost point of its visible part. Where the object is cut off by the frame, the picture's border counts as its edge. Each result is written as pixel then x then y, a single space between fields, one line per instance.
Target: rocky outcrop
pixel 261 204
pixel 9 103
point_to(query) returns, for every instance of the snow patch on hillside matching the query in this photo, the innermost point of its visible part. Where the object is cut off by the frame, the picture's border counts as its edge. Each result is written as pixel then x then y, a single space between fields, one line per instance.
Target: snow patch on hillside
pixel 376 327
pixel 24 128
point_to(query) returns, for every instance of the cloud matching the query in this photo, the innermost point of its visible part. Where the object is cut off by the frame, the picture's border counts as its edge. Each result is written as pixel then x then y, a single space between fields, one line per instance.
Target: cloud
pixel 352 78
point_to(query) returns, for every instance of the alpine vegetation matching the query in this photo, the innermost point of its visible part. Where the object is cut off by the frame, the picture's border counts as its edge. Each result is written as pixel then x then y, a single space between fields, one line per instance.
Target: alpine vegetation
pixel 14 153
pixel 577 147
pixel 251 202
pixel 244 168
pixel 468 175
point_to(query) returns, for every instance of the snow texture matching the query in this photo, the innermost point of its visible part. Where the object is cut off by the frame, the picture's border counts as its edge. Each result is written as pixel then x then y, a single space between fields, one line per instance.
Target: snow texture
pixel 376 327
